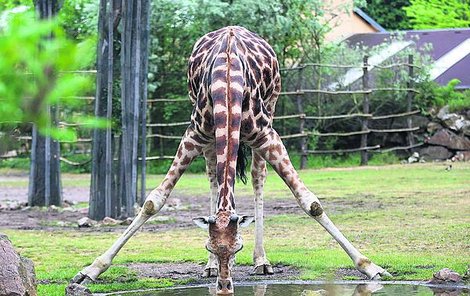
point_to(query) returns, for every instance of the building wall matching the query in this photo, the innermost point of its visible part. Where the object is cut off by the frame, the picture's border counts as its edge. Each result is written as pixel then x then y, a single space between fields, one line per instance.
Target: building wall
pixel 344 21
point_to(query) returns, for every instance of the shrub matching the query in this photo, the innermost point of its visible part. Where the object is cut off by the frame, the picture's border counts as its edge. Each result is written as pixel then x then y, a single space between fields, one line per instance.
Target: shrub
pixel 433 95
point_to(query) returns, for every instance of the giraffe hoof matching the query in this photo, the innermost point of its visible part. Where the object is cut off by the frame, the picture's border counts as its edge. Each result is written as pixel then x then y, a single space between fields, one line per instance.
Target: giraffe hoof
pixel 374 272
pixel 210 272
pixel 264 269
pixel 379 275
pixel 81 279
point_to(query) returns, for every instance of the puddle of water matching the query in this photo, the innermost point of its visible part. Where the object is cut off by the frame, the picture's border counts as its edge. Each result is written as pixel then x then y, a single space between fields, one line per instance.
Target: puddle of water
pixel 310 290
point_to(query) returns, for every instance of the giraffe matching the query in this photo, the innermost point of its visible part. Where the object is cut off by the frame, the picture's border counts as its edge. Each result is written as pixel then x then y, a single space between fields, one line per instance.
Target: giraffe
pixel 234 83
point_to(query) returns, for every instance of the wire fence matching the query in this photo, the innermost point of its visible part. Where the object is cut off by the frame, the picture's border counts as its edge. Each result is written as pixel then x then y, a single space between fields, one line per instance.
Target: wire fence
pixel 297 128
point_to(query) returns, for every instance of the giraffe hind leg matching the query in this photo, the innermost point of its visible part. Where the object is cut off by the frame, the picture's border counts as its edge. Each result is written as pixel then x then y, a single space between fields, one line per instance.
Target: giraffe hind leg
pixel 272 149
pixel 188 149
pixel 258 178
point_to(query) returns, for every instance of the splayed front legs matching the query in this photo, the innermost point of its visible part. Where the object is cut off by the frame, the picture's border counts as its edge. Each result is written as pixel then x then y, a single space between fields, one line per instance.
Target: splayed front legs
pixel 272 149
pixel 187 151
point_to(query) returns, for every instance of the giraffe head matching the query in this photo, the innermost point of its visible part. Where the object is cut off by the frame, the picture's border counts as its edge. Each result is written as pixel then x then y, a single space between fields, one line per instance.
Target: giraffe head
pixel 224 242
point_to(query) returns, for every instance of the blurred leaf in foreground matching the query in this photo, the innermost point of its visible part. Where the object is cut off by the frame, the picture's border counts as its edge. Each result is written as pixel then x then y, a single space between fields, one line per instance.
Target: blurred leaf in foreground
pixel 37 69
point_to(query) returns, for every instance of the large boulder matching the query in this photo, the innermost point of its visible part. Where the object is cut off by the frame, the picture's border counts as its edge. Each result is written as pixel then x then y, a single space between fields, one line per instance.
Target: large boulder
pixel 17 276
pixel 435 153
pixel 450 140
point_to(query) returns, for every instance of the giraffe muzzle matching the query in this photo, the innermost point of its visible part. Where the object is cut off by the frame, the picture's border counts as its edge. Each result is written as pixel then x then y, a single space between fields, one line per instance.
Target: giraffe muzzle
pixel 224 286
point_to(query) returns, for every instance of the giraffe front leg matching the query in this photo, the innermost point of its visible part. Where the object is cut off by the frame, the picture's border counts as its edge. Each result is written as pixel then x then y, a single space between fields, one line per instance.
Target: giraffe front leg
pixel 258 178
pixel 188 149
pixel 271 148
pixel 211 268
pixel 153 203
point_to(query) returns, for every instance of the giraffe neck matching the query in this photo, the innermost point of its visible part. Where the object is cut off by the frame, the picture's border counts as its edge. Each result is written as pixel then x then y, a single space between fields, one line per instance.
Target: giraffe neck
pixel 227 95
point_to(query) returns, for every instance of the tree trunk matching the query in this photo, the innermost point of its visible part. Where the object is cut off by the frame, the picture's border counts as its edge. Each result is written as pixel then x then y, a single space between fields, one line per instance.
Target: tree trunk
pixel 44 180
pixel 133 94
pixel 102 196
pixel 115 185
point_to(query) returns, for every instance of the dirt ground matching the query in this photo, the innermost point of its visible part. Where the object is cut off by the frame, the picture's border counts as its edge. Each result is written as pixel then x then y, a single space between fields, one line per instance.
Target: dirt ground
pixel 178 213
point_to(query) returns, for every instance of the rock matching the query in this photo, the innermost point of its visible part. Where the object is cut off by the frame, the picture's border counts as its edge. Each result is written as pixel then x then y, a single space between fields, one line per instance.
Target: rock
pixel 453 121
pixel 435 153
pixel 69 210
pixel 27 208
pixel 446 275
pixel 83 211
pixel 85 222
pixel 77 290
pixel 110 221
pixel 413 158
pixel 450 140
pixel 14 205
pixel 53 208
pixel 443 113
pixel 461 156
pixel 432 127
pixel 17 276
pixel 466 130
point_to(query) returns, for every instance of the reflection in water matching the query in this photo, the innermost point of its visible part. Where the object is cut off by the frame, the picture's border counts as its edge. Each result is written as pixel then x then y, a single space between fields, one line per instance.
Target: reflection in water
pixel 310 290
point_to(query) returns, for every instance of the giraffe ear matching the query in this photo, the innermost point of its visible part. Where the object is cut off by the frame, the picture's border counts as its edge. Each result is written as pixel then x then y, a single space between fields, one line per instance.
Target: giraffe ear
pixel 202 222
pixel 245 221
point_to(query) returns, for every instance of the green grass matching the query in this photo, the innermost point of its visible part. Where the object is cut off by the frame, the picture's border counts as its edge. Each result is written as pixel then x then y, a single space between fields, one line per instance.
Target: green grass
pixel 411 219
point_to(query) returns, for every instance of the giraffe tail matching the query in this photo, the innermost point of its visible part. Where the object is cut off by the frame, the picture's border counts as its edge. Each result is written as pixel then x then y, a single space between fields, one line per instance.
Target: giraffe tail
pixel 227 86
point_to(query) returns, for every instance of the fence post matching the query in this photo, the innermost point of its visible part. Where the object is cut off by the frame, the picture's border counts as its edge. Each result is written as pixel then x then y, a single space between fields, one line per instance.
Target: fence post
pixel 300 109
pixel 409 99
pixel 108 194
pixel 365 110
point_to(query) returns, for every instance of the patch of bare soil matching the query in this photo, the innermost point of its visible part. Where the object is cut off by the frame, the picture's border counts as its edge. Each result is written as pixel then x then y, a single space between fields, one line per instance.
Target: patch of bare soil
pixel 349 273
pixel 178 213
pixel 192 272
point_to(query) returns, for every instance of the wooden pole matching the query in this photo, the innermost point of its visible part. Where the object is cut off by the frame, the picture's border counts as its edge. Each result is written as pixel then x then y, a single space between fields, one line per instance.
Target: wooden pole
pixel 45 183
pixel 136 61
pixel 365 110
pixel 99 203
pixel 127 107
pixel 409 100
pixel 109 105
pixel 300 109
pixel 143 113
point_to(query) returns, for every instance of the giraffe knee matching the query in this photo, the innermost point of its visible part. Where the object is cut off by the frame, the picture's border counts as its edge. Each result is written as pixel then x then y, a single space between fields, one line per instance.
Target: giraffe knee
pixel 316 209
pixel 149 208
pixel 153 203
